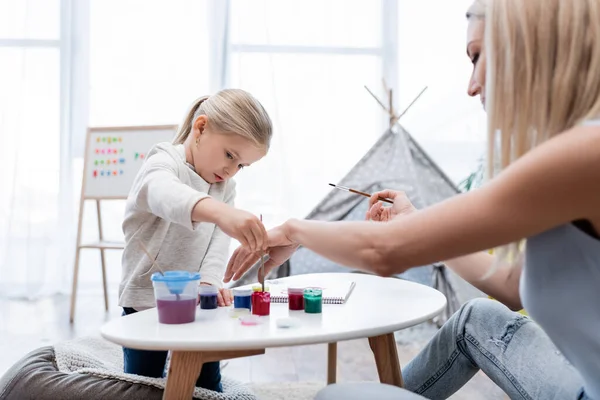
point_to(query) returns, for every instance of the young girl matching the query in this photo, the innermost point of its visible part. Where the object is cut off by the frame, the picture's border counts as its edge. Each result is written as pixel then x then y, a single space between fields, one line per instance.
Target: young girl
pixel 181 208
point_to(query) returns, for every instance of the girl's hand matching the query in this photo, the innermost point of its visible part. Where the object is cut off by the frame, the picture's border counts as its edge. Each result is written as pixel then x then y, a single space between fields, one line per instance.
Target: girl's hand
pixel 243 226
pixel 280 250
pixel 224 297
pixel 401 206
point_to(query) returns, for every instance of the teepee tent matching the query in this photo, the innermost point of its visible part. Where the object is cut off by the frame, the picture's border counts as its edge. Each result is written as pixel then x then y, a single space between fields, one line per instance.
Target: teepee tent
pixel 395 162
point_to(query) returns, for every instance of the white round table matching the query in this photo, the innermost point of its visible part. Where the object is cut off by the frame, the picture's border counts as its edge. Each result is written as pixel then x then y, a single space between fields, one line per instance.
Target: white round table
pixel 376 308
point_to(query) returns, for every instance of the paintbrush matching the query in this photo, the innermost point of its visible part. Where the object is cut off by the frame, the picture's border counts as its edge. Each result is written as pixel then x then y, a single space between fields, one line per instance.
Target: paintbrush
pixel 359 192
pixel 262 267
pixel 152 260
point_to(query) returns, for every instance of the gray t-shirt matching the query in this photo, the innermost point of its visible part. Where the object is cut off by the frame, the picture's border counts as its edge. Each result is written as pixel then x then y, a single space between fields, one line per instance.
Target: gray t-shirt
pixel 560 289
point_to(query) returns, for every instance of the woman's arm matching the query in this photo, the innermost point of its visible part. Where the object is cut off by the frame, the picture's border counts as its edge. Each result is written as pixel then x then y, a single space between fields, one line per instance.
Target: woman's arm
pixel 503 284
pixel 554 184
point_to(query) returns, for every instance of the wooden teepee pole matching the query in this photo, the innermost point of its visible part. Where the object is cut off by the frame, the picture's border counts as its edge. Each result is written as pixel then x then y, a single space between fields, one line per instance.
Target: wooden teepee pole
pixel 390 108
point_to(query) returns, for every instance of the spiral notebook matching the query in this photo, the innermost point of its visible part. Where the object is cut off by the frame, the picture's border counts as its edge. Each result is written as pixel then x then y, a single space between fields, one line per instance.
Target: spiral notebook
pixel 336 293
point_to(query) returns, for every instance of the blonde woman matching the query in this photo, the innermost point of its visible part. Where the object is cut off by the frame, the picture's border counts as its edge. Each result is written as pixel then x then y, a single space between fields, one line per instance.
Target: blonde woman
pixel 542 95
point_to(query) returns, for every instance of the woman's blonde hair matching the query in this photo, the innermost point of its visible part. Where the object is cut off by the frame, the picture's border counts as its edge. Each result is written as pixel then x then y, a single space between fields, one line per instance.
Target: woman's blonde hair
pixel 543 75
pixel 230 111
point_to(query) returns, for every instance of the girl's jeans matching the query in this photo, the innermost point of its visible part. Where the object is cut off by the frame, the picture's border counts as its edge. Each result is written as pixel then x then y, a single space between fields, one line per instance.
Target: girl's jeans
pixel 152 364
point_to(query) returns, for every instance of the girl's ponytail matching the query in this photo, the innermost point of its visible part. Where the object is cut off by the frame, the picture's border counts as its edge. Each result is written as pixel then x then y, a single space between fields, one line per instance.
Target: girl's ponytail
pixel 230 111
pixel 186 126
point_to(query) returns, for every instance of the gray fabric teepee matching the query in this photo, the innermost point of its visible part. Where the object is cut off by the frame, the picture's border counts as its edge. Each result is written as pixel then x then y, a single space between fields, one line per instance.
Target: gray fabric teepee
pixel 394 162
pixel 397 162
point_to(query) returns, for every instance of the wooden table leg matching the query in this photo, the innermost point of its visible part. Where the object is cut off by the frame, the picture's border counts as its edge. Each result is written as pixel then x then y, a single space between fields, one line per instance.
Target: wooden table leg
pixel 386 358
pixel 331 362
pixel 183 372
pixel 185 368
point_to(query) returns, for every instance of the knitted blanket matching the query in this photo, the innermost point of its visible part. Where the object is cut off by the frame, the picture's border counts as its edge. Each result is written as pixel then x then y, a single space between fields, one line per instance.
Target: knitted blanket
pixel 96 356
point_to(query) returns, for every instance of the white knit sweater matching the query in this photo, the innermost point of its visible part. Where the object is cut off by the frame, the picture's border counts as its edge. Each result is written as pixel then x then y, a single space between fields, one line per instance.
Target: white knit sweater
pixel 159 214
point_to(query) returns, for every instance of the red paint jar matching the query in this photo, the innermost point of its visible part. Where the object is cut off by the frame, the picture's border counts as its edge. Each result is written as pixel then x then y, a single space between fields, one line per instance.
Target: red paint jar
pixel 296 299
pixel 261 303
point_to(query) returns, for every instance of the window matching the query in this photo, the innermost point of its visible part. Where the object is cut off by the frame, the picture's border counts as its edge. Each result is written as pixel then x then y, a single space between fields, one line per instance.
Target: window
pixel 448 124
pixel 307 62
pixel 149 60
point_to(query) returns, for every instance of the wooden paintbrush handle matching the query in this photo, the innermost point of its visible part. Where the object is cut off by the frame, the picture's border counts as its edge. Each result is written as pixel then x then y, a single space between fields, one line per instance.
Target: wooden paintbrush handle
pixel 368 195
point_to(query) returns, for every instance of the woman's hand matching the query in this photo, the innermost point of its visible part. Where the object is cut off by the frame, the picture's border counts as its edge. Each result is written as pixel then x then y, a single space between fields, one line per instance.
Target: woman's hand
pixel 280 249
pixel 401 206
pixel 243 226
pixel 224 297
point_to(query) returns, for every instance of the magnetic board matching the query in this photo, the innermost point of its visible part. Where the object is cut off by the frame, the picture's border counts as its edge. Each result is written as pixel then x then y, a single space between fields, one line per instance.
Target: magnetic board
pixel 113 157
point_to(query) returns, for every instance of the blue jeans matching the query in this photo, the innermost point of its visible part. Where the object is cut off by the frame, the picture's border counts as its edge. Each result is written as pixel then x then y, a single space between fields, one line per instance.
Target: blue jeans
pixel 508 347
pixel 483 335
pixel 152 364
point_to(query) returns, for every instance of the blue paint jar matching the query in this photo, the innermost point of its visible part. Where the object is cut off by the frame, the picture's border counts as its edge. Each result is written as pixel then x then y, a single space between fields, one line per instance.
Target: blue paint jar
pixel 208 297
pixel 242 298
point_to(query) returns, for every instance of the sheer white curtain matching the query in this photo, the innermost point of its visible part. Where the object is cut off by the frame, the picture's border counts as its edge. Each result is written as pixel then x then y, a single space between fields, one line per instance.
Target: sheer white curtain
pixel 35 224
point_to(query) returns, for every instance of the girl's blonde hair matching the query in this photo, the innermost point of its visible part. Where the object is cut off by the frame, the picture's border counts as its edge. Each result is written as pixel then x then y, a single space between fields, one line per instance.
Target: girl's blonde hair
pixel 230 111
pixel 543 76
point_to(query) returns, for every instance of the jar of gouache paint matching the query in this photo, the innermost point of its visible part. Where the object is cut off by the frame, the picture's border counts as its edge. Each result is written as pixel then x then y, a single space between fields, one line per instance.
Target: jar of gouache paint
pixel 242 298
pixel 313 300
pixel 176 294
pixel 259 288
pixel 261 303
pixel 296 299
pixel 208 297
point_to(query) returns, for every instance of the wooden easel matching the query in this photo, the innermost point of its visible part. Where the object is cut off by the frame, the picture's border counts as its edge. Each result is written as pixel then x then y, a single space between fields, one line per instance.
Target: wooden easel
pixel 101 244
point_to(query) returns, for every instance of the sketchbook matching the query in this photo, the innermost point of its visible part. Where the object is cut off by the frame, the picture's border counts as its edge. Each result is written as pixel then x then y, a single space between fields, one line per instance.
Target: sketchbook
pixel 336 293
